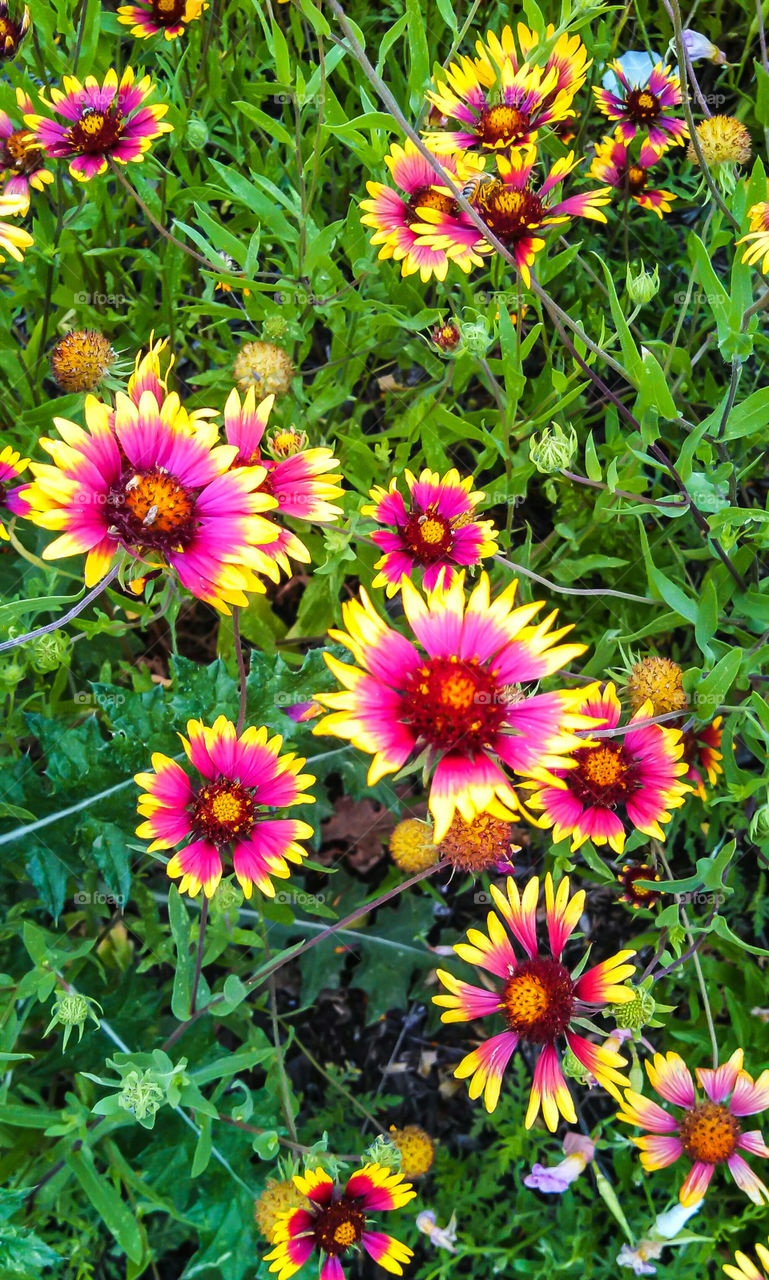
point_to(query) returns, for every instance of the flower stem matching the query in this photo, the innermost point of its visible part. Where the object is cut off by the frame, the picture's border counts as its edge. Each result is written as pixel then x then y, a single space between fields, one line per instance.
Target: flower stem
pixel 67 617
pixel 242 687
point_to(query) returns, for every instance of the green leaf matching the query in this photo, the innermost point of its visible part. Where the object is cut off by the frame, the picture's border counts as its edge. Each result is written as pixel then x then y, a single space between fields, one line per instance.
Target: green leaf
pixel 181 931
pixel 101 1194
pixel 203 1148
pixel 711 692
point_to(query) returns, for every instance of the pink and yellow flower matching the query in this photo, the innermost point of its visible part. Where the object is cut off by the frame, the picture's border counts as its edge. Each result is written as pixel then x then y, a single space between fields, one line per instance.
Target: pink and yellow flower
pixel 242 779
pixel 103 122
pixel 301 484
pixel 135 481
pixel 757 239
pixel 21 162
pixel 746 1268
pixel 337 1222
pixel 457 692
pixel 708 1132
pixel 12 466
pixel 518 214
pixel 634 777
pixel 149 18
pixel 13 240
pixel 645 109
pixel 12 31
pixel 702 755
pixel 540 1000
pixel 394 214
pixel 438 532
pixel 613 165
pixel 497 106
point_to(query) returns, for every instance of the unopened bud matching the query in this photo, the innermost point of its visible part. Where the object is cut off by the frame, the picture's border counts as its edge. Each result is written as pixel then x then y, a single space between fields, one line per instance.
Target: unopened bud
pixel 49 651
pixel 140 1095
pixel 274 329
pixel 475 337
pixel 573 1068
pixel 72 1010
pixel 758 830
pixel 446 337
pixel 197 132
pixel 553 449
pixel 286 441
pixel 383 1151
pixel 642 287
pixel 636 1013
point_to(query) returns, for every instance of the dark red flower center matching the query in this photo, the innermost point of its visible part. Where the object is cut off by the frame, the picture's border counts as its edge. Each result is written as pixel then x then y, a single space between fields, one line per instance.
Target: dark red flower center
pixel 96 131
pixel 11 35
pixel 453 704
pixel 152 509
pixel 642 105
pixel 636 178
pixel 709 1132
pixel 538 1000
pixel 19 155
pixel 339 1227
pixel 428 198
pixel 509 213
pixel 633 894
pixel 223 811
pixel 501 125
pixel 167 12
pixel 605 776
pixel 428 536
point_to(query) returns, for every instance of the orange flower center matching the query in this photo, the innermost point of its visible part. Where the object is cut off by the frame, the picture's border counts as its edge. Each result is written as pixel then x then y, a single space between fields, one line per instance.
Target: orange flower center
pixel 636 179
pixel 478 845
pixel 709 1132
pixel 223 811
pixel 642 105
pixel 19 155
pixel 153 509
pixel 96 131
pixel 338 1227
pixel 538 999
pixel 164 12
pixel 502 125
pixel 428 536
pixel 605 775
pixel 511 214
pixel 633 894
pixel 453 705
pixel 428 198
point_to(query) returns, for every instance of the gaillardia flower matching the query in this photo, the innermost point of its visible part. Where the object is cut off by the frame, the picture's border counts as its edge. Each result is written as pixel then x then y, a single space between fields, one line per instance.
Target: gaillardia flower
pixel 412 847
pixel 540 1000
pixel 437 532
pixel 746 1269
pixel 612 164
pixel 21 162
pixel 567 57
pixel 149 18
pixel 632 893
pixel 103 122
pixel 497 107
pixel 136 482
pixel 242 779
pixel 394 215
pixel 702 755
pixel 417 1150
pixel 456 692
pixel 757 239
pixel 633 777
pixel 646 108
pixel 12 239
pixel 337 1222
pixel 518 215
pixel 11 32
pixel 708 1132
pixel 275 1201
pixel 264 367
pixel 723 140
pixel 659 681
pixel 81 359
pixel 12 466
pixel 300 484
pixel 483 844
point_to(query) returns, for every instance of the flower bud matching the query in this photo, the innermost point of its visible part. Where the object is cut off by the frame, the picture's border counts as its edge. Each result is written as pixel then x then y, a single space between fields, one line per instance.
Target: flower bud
pixel 72 1010
pixel 49 651
pixel 197 132
pixel 636 1013
pixel 447 336
pixel 286 441
pixel 383 1151
pixel 475 337
pixel 140 1095
pixel 573 1068
pixel 553 449
pixel 643 287
pixel 758 831
pixel 698 46
pixel 274 329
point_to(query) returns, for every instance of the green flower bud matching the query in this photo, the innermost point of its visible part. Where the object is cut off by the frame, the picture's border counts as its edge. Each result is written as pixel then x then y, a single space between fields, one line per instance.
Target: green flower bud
pixel 228 898
pixel 475 337
pixel 553 449
pixel 140 1095
pixel 11 673
pixel 383 1151
pixel 636 1013
pixel 197 132
pixel 573 1068
pixel 72 1010
pixel 758 830
pixel 49 651
pixel 274 329
pixel 643 287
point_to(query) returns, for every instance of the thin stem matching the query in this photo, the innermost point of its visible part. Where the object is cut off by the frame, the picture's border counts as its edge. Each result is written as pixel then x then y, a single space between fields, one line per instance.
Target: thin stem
pixel 80 34
pixel 199 957
pixel 67 617
pixel 734 382
pixel 692 954
pixel 242 686
pixel 298 1147
pixel 178 244
pixel 624 493
pixel 574 591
